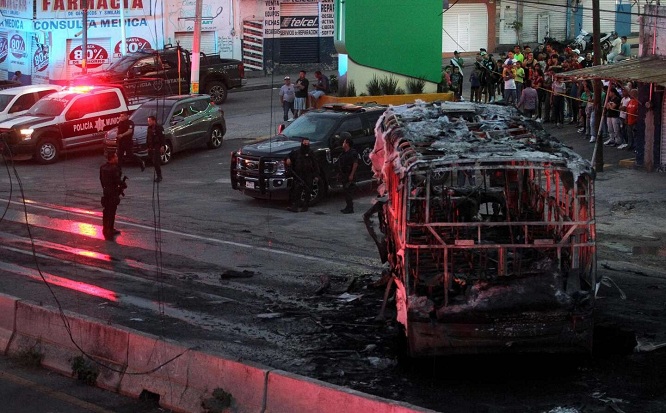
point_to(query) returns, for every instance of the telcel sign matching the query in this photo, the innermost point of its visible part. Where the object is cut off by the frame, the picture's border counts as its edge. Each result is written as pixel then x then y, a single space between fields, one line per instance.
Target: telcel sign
pixel 299 22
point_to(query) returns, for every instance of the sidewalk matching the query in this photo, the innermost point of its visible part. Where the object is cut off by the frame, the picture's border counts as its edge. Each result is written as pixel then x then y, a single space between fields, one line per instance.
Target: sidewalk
pixel 258 80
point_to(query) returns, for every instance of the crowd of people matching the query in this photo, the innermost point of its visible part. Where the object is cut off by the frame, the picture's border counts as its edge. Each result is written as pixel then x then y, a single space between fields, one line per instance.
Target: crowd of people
pixel 530 82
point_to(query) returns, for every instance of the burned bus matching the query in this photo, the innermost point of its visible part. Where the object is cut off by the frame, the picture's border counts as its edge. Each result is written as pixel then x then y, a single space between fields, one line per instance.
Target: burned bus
pixel 487 223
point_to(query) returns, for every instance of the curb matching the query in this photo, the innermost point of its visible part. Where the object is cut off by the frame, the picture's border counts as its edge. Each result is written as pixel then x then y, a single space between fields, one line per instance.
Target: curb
pixel 130 363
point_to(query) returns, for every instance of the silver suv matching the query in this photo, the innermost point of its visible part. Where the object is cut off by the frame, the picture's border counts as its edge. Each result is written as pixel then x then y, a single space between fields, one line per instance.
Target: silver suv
pixel 189 121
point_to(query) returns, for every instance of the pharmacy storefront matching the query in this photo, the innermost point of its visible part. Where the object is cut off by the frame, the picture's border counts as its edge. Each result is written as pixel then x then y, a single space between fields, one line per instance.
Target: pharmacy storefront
pixel 48 48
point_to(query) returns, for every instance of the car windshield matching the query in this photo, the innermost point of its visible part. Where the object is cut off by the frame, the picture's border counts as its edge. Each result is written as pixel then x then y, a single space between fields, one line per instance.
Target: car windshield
pixel 160 111
pixel 311 126
pixel 122 65
pixel 48 107
pixel 4 101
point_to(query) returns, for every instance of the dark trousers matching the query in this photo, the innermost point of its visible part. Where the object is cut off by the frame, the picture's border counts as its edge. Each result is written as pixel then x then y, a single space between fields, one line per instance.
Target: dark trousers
pixel 286 107
pixel 156 158
pixel 110 205
pixel 349 188
pixel 547 107
pixel 126 153
pixel 558 109
pixel 489 91
pixel 299 196
pixel 573 105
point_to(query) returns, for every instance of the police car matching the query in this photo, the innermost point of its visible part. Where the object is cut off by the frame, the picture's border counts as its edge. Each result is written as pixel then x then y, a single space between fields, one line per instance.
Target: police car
pixel 16 101
pixel 76 118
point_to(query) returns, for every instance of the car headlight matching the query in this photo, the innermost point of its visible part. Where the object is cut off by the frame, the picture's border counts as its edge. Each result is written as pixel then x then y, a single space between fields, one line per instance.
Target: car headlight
pixel 26 134
pixel 280 169
pixel 274 167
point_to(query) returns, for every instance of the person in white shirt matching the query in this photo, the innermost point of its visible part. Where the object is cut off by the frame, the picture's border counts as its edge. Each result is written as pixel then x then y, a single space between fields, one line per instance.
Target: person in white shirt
pixel 623 117
pixel 616 48
pixel 287 97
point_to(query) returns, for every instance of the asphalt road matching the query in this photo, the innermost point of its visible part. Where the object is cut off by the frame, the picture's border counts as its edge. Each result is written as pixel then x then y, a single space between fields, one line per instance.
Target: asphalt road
pixel 26 389
pixel 205 265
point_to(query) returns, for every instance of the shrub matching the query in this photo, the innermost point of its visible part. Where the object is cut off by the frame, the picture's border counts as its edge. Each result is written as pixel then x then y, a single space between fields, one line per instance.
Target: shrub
pixel 374 87
pixel 388 85
pixel 84 370
pixel 415 85
pixel 351 89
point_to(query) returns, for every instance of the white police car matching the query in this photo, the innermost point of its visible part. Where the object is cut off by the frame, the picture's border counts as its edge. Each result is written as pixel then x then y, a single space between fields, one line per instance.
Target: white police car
pixel 72 119
pixel 16 101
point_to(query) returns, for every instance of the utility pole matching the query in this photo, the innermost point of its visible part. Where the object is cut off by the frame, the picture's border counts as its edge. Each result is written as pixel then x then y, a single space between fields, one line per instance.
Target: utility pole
pixel 84 46
pixel 123 34
pixel 599 145
pixel 196 48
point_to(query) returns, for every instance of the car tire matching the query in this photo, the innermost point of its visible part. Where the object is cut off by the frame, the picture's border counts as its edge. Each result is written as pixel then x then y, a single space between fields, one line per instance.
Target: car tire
pixel 47 151
pixel 165 158
pixel 216 138
pixel 217 91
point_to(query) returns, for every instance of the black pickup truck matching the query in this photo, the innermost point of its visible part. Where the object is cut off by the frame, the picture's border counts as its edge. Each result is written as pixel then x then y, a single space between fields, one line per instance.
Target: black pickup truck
pixel 258 169
pixel 152 73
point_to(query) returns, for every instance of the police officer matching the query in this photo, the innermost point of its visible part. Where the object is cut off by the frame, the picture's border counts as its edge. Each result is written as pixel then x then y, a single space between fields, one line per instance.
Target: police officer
pixel 304 170
pixel 155 141
pixel 112 187
pixel 126 142
pixel 348 164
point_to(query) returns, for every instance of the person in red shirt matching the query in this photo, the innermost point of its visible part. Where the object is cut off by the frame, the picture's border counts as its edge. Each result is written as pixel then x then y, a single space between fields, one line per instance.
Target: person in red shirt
pixel 632 117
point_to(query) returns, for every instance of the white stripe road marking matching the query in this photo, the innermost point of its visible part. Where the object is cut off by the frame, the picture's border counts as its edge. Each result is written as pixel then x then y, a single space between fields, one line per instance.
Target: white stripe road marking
pixel 197 237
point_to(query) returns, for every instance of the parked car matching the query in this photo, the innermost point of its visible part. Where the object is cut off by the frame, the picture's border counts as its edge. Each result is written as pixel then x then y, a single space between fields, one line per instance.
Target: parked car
pixel 75 118
pixel 153 73
pixel 258 170
pixel 189 121
pixel 16 101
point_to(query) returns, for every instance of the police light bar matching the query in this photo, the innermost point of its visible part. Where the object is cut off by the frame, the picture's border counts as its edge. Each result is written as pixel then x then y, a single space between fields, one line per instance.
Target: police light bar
pixel 81 89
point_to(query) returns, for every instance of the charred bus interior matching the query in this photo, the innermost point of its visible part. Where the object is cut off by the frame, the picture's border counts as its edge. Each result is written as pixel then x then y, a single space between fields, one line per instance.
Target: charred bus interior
pixel 488 226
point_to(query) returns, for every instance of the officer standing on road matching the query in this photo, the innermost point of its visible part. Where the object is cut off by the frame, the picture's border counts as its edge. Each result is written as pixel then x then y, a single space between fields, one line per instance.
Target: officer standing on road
pixel 155 141
pixel 304 170
pixel 112 187
pixel 348 165
pixel 125 142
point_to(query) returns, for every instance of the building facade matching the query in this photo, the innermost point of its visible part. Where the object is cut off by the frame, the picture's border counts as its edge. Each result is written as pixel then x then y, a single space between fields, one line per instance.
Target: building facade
pixel 43 39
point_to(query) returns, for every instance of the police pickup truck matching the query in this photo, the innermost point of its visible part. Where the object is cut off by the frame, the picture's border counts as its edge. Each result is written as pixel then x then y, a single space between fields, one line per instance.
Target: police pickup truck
pixel 258 170
pixel 153 73
pixel 76 118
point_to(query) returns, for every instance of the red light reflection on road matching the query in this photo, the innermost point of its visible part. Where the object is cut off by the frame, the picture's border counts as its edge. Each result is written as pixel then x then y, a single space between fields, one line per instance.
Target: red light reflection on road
pixel 90 254
pixel 74 227
pixel 81 287
pixel 89 230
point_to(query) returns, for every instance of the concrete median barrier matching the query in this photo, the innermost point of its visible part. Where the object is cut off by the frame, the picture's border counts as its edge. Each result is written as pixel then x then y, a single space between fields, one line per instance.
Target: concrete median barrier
pixel 292 393
pixel 184 379
pixel 7 320
pixel 44 330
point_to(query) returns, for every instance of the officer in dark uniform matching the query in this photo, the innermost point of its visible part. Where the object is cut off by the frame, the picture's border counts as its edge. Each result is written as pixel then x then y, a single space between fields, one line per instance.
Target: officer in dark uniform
pixel 348 164
pixel 112 186
pixel 304 170
pixel 155 141
pixel 126 142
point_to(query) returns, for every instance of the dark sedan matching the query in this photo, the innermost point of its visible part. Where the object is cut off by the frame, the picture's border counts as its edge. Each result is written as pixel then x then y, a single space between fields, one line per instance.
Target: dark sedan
pixel 189 121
